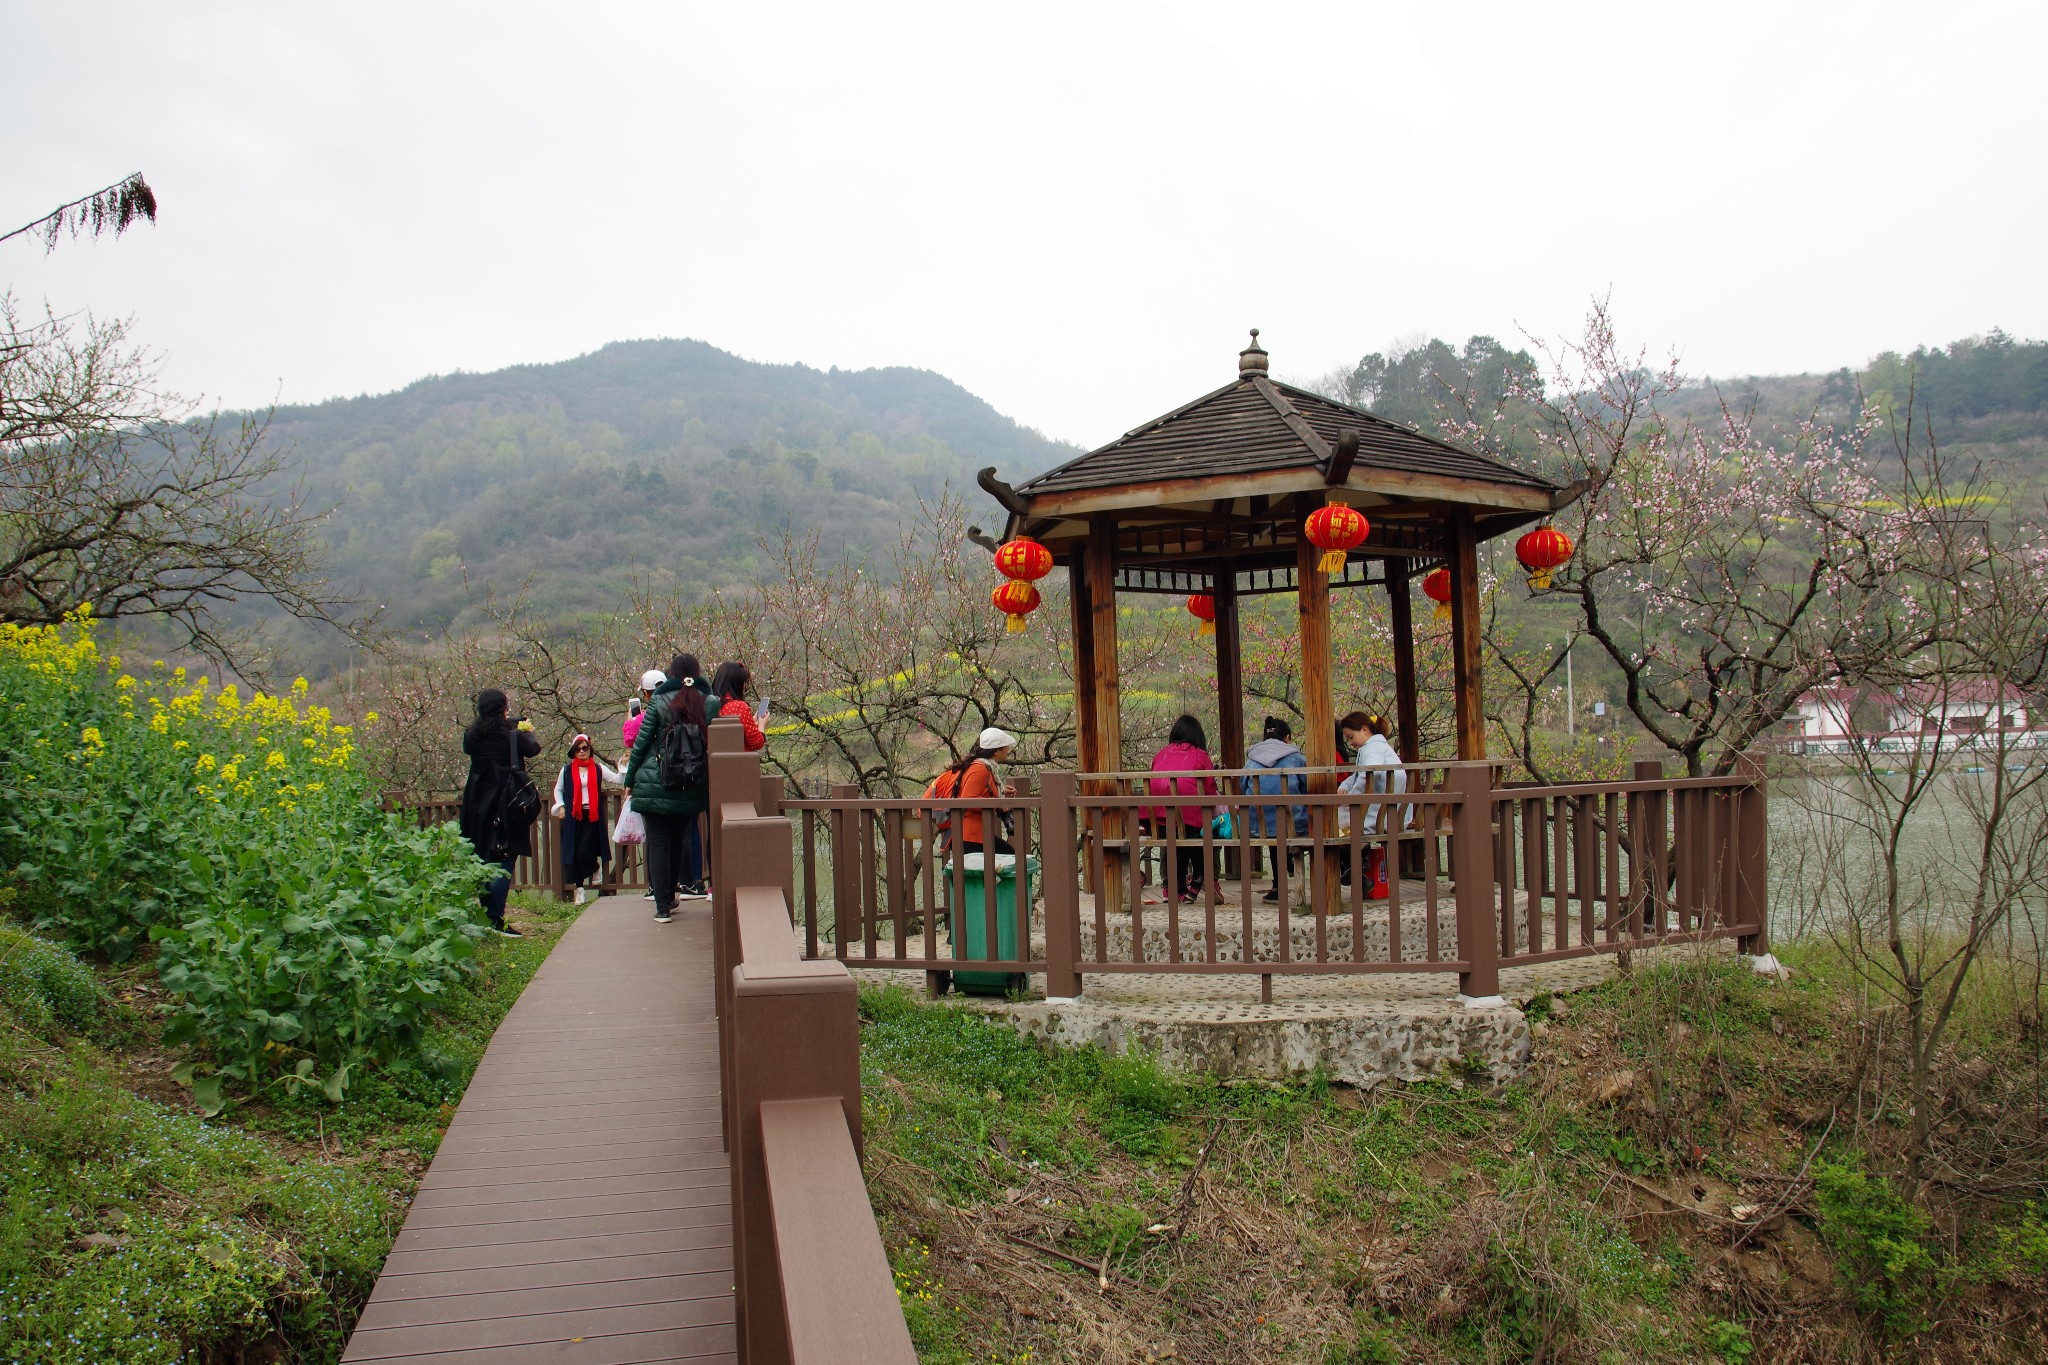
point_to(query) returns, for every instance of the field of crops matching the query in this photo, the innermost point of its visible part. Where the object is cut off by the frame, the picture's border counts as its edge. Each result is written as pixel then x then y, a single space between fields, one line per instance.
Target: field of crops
pixel 302 930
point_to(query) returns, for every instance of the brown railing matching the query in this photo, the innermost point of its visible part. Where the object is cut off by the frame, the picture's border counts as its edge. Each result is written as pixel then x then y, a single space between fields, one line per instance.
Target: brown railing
pixel 542 870
pixel 1478 874
pixel 812 1284
pixel 1610 865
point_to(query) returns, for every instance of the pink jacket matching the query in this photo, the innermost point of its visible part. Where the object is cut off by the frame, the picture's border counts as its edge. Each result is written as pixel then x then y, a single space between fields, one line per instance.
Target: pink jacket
pixel 1180 758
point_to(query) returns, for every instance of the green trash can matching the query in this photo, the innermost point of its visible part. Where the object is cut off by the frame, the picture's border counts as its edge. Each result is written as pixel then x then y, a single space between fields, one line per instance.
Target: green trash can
pixel 970 922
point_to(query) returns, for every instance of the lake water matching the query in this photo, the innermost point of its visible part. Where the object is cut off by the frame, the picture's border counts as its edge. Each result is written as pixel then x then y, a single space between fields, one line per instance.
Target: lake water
pixel 1828 836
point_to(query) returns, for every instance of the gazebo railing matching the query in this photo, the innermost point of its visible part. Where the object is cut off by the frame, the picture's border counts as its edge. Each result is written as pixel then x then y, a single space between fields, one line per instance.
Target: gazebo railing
pixel 1478 876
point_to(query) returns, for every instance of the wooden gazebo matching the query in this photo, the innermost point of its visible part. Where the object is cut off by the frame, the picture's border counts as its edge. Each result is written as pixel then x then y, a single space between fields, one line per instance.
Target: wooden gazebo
pixel 1212 497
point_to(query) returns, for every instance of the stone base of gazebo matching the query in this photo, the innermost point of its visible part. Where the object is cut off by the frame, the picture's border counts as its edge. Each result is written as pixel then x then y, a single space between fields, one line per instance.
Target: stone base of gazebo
pixel 1358 1030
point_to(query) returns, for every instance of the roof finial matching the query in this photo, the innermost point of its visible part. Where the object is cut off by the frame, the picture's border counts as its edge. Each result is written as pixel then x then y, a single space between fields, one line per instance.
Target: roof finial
pixel 1252 359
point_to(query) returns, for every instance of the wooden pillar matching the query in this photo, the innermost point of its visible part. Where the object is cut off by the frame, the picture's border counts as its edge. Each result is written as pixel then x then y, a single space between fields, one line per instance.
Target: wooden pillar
pixel 1407 719
pixel 1318 706
pixel 1401 617
pixel 1465 656
pixel 1107 703
pixel 1107 692
pixel 1087 740
pixel 1229 670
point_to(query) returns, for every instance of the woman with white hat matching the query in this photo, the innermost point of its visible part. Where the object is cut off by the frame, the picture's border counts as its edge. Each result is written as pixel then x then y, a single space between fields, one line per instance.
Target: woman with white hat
pixel 976 777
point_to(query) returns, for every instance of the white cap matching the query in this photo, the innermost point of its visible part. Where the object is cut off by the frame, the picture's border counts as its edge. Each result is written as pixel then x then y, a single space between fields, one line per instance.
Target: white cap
pixel 652 679
pixel 993 738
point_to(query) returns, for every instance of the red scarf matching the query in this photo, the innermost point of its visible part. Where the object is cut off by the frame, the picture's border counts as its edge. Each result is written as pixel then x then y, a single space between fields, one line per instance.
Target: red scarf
pixel 586 797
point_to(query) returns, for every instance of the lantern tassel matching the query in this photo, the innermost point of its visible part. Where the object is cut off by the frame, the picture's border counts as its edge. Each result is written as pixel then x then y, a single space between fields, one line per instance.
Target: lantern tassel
pixel 1540 579
pixel 1331 562
pixel 1442 612
pixel 1206 628
pixel 1017 625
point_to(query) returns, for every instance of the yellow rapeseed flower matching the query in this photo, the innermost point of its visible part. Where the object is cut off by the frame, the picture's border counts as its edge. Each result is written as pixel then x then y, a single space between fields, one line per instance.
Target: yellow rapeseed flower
pixel 275 760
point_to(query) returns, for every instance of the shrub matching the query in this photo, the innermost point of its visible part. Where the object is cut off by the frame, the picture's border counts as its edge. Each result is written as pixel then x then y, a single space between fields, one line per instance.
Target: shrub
pixel 305 929
pixel 1879 1241
pixel 44 986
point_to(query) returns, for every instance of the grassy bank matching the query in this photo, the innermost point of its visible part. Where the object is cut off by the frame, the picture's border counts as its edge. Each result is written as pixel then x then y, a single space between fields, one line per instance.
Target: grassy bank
pixel 136 1230
pixel 1679 1177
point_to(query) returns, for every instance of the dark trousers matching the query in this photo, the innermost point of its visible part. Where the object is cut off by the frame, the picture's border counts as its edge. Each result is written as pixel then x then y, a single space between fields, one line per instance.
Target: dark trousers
pixel 1001 846
pixel 1274 857
pixel 665 844
pixel 693 850
pixel 494 893
pixel 1188 872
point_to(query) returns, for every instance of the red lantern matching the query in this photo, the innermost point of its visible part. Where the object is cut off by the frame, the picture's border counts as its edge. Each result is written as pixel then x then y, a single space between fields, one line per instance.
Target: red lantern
pixel 1335 529
pixel 1542 550
pixel 1436 586
pixel 1024 559
pixel 1203 608
pixel 1016 599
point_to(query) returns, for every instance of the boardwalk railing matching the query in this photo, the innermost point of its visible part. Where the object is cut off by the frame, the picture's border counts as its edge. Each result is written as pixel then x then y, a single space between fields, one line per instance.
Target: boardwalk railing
pixel 542 870
pixel 812 1282
pixel 1478 874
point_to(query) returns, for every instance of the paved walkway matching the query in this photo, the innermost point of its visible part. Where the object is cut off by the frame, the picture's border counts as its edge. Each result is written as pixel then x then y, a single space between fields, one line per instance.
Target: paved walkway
pixel 578 1208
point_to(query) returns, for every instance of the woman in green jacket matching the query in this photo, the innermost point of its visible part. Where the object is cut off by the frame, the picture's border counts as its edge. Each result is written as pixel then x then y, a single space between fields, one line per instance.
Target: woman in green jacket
pixel 668 811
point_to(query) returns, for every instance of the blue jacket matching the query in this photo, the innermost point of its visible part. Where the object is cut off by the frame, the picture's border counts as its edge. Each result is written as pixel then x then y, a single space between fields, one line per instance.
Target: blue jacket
pixel 1275 755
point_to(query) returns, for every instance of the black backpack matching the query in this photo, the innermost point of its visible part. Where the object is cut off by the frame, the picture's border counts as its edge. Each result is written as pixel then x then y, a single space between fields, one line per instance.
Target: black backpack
pixel 682 756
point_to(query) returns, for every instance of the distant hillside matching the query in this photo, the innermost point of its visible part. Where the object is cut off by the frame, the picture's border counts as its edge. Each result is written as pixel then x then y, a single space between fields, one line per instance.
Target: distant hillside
pixel 660 457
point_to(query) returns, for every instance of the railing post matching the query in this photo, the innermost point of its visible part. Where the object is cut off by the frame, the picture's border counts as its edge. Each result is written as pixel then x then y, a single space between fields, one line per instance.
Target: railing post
pixel 845 865
pixel 1472 871
pixel 770 800
pixel 1057 838
pixel 724 742
pixel 1647 847
pixel 759 852
pixel 795 1035
pixel 1752 830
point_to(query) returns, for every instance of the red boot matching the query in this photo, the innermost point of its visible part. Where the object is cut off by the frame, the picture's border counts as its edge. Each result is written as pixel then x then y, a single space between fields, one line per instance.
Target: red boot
pixel 1376 874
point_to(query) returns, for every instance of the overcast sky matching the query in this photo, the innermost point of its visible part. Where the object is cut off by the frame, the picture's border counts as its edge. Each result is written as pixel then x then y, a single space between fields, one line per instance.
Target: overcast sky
pixel 1073 210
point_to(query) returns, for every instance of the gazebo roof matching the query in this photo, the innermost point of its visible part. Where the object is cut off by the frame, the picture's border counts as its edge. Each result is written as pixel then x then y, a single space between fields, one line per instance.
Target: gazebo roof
pixel 1260 439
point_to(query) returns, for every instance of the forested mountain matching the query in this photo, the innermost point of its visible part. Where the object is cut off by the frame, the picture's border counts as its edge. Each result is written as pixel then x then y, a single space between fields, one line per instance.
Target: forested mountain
pixel 670 459
pixel 1984 396
pixel 652 457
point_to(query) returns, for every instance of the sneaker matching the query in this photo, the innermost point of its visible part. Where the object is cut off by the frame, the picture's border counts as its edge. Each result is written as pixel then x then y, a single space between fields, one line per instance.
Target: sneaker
pixel 648 896
pixel 580 894
pixel 506 931
pixel 1272 897
pixel 694 891
pixel 662 917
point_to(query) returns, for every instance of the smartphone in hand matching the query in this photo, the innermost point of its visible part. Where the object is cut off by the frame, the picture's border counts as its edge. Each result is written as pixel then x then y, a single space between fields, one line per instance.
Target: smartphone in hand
pixel 761 710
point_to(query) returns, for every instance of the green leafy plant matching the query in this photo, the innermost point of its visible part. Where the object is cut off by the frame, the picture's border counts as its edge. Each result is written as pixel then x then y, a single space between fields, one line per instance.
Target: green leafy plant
pixel 1880 1243
pixel 304 930
pixel 44 985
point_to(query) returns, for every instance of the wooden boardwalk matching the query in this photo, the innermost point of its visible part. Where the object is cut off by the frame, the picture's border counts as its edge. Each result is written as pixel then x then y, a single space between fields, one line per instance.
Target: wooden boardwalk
pixel 579 1208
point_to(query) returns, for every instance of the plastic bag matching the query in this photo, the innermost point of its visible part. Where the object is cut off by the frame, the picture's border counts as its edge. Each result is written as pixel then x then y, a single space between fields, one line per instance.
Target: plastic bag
pixel 631 829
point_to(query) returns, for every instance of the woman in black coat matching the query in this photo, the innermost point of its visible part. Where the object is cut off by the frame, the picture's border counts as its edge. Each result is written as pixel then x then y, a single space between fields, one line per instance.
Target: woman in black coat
pixel 497 748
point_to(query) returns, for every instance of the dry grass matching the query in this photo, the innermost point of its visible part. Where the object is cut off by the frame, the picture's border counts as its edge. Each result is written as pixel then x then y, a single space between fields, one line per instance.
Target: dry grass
pixel 1646 1192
